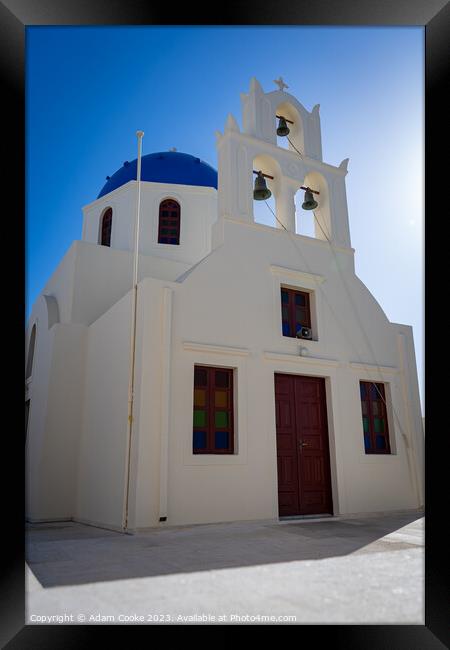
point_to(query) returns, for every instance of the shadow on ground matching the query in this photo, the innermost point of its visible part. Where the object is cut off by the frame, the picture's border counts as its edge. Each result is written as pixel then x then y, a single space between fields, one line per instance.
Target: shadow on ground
pixel 69 553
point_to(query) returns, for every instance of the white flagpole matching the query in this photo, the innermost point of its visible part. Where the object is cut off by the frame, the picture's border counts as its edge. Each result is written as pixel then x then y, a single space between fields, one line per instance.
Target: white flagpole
pixel 140 135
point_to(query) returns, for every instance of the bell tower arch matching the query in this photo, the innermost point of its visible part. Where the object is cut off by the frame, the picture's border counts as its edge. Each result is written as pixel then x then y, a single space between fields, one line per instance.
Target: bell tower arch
pixel 239 151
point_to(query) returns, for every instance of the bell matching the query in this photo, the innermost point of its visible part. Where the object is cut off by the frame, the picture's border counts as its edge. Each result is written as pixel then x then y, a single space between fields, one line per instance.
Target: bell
pixel 309 203
pixel 261 191
pixel 283 128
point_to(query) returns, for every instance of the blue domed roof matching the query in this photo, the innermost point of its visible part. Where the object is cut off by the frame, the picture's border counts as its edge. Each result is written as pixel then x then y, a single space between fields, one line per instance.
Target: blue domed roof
pixel 164 167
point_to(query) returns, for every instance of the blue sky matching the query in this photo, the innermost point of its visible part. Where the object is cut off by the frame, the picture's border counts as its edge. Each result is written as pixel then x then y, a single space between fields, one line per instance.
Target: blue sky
pixel 89 89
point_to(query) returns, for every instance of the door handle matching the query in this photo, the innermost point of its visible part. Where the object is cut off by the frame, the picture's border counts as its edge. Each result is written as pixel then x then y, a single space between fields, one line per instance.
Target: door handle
pixel 304 444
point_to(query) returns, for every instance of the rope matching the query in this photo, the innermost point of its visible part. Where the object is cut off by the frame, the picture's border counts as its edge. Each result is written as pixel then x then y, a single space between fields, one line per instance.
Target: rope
pixel 293 145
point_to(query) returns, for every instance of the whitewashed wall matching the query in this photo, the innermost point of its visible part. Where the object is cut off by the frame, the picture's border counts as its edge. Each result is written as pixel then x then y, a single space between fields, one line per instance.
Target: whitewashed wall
pixel 103 439
pixel 228 314
pixel 55 391
pixel 198 211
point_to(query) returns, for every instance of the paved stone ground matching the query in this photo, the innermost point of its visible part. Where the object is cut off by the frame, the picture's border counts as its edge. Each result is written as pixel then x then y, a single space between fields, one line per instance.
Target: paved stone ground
pixel 354 570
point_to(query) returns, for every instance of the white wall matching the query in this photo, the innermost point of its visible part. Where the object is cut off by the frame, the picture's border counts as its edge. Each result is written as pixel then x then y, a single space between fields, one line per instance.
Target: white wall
pixel 60 285
pixel 55 392
pixel 63 420
pixel 37 392
pixel 151 406
pixel 198 211
pixel 103 444
pixel 103 275
pixel 226 312
pixel 91 278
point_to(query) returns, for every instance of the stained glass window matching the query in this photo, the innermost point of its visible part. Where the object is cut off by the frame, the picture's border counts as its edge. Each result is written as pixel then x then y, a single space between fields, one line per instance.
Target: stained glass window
pixel 105 235
pixel 374 417
pixel 169 222
pixel 295 311
pixel 213 410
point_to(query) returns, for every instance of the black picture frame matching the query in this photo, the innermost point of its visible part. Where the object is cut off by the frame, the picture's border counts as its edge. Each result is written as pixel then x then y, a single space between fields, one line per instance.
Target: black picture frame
pixel 15 16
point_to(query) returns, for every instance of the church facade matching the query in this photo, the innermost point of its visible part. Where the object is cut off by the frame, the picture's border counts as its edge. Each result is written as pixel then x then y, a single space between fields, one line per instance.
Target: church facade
pixel 268 382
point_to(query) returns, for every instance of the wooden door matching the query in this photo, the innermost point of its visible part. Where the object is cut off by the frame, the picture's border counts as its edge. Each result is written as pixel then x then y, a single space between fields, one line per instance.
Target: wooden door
pixel 303 457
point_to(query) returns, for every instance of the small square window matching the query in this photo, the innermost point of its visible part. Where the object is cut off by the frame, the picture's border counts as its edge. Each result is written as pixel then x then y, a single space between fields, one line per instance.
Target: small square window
pixel 295 312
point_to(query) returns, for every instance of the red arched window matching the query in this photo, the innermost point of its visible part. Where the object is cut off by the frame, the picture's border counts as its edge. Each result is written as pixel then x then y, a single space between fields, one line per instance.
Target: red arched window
pixel 105 234
pixel 169 222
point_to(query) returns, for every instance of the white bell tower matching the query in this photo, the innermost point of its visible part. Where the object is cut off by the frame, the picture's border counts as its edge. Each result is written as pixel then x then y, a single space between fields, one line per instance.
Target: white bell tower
pixel 255 148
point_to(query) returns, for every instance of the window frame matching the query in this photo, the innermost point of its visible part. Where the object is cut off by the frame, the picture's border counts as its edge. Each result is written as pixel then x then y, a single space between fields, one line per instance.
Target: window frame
pixel 211 410
pixel 382 415
pixel 108 212
pixel 292 293
pixel 167 222
pixel 31 352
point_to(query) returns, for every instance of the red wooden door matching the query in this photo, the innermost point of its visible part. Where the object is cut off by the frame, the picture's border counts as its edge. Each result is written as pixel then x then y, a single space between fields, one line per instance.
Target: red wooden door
pixel 304 483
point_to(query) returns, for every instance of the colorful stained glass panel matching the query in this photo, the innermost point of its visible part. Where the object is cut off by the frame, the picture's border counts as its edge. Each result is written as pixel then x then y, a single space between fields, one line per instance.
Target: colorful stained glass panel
pixel 379 425
pixel 199 439
pixel 381 442
pixel 199 397
pixel 199 418
pixel 221 439
pixel 221 399
pixel 221 379
pixel 366 425
pixel 221 419
pixel 199 377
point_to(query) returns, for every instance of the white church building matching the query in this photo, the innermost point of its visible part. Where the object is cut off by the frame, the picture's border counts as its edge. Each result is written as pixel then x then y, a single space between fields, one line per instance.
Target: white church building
pixel 267 380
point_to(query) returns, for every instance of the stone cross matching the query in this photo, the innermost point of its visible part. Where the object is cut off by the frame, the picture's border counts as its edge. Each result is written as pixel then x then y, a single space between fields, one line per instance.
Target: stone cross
pixel 280 83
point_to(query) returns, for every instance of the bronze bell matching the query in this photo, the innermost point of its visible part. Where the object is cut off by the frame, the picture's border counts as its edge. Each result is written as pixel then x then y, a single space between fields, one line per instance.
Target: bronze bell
pixel 261 191
pixel 309 202
pixel 283 128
